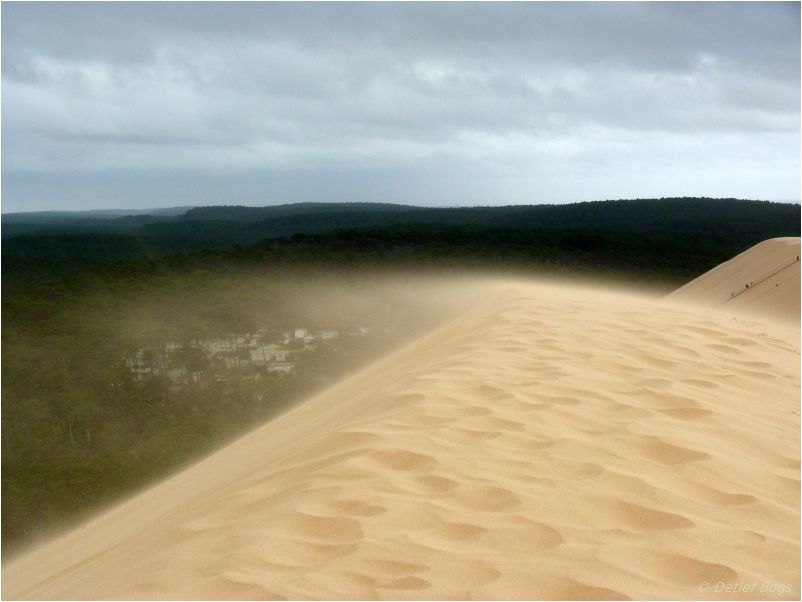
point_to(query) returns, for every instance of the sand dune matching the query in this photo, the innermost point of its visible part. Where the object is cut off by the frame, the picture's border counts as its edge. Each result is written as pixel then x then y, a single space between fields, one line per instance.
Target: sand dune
pixel 763 281
pixel 561 443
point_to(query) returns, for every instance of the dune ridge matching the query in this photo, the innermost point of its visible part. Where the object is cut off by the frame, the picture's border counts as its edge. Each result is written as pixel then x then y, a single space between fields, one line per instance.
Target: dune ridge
pixel 561 442
pixel 763 281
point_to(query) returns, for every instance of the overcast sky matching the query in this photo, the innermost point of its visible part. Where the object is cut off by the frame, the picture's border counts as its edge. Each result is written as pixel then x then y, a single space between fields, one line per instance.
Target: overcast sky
pixel 110 105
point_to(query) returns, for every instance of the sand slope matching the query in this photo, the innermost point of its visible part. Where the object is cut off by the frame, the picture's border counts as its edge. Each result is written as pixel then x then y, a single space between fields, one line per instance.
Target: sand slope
pixel 558 443
pixel 771 268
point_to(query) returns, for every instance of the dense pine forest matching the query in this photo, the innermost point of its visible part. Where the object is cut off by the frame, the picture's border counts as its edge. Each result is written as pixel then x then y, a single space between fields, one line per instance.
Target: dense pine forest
pixel 676 238
pixel 130 341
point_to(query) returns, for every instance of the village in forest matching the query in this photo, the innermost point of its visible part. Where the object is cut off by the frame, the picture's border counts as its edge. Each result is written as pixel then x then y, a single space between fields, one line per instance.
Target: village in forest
pixel 255 355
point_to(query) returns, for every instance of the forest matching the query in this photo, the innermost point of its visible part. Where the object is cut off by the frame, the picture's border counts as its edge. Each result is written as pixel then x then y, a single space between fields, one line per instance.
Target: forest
pixel 709 231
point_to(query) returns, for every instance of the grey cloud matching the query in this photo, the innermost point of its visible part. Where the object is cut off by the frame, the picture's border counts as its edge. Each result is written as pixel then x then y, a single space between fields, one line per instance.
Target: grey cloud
pixel 366 99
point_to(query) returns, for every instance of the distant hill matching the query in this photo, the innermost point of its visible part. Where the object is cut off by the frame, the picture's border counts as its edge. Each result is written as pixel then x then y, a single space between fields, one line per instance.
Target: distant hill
pixel 240 213
pixel 284 220
pixel 54 217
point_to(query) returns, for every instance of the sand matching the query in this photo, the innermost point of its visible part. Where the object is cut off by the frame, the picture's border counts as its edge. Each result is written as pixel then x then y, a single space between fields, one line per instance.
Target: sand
pixel 770 268
pixel 561 442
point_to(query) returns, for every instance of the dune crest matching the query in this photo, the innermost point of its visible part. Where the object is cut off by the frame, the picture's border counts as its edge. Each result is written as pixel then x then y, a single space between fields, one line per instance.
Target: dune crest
pixel 763 281
pixel 561 443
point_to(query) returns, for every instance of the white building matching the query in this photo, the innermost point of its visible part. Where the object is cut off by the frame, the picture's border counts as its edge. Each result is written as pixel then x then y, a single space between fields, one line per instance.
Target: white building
pixel 177 375
pixel 281 367
pixel 236 362
pixel 268 353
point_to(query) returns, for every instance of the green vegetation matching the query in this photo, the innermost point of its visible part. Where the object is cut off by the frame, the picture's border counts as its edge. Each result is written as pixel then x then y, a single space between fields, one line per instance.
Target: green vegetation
pixel 83 293
pixel 710 230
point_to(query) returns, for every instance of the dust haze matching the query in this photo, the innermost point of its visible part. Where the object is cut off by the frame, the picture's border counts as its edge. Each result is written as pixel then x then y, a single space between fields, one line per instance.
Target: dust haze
pixel 144 380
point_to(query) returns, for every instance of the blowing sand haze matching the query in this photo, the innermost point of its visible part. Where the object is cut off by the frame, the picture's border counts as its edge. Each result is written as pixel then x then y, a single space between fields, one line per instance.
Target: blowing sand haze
pixel 561 442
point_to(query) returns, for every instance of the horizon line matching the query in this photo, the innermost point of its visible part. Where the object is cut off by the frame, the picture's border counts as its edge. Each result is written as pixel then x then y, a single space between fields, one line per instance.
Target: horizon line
pixel 144 210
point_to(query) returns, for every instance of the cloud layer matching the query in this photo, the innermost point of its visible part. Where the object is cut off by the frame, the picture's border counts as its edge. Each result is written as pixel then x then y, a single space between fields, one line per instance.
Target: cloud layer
pixel 148 104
